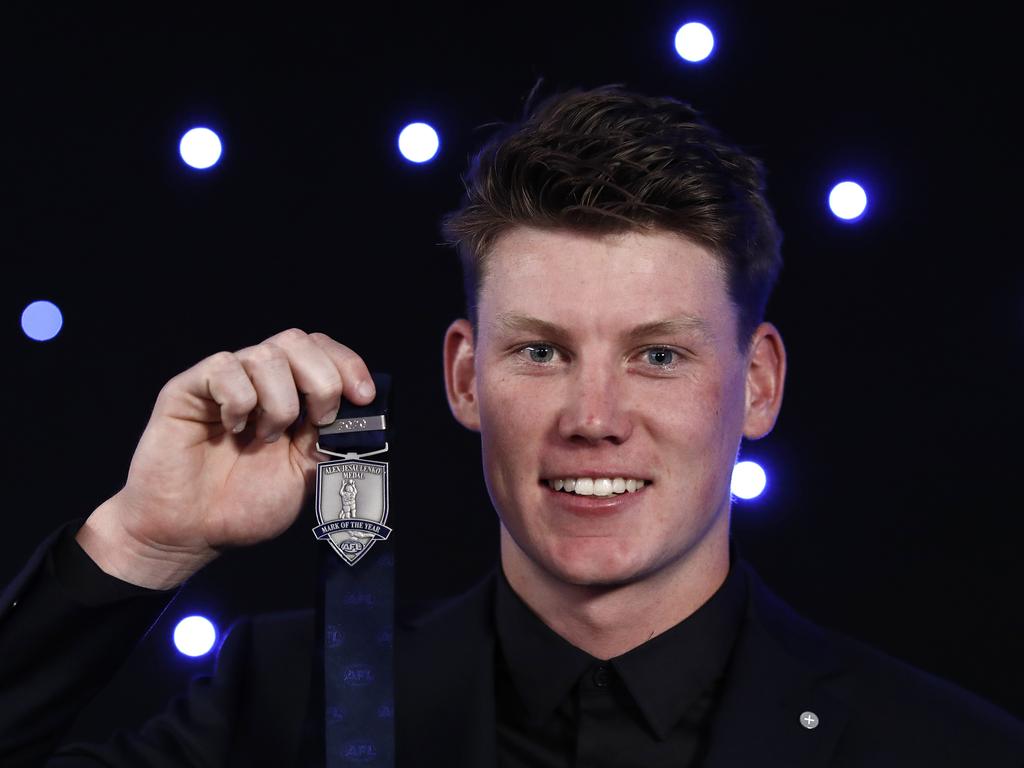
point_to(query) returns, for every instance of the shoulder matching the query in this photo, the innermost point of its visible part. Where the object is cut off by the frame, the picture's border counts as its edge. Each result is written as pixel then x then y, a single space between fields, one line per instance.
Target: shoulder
pixel 891 704
pixel 894 702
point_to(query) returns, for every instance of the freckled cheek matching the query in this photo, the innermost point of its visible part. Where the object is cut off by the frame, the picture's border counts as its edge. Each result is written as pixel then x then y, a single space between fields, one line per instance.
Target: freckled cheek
pixel 504 412
pixel 518 406
pixel 512 434
pixel 687 419
pixel 691 438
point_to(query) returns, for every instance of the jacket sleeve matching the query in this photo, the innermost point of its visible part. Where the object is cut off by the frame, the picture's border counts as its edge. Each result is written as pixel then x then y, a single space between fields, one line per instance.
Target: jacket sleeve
pixel 196 729
pixel 65 629
pixel 251 711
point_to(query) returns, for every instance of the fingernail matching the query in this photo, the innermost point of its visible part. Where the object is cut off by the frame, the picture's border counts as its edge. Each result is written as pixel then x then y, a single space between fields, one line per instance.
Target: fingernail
pixel 365 389
pixel 328 418
pixel 238 427
pixel 272 437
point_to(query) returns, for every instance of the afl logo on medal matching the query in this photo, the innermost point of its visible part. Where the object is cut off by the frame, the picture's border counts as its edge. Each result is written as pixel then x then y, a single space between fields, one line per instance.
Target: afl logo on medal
pixel 352 506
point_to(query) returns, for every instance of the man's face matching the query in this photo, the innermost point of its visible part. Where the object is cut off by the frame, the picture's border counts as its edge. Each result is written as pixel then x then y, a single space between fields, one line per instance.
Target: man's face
pixel 598 358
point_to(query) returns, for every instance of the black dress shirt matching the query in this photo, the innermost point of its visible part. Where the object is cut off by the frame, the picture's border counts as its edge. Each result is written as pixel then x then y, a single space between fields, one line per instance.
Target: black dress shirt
pixel 558 706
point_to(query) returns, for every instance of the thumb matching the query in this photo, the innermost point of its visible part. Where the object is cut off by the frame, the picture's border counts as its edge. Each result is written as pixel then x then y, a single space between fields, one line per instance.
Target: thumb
pixel 304 438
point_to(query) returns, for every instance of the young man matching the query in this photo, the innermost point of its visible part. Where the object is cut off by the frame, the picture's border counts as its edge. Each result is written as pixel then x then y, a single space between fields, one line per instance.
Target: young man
pixel 618 258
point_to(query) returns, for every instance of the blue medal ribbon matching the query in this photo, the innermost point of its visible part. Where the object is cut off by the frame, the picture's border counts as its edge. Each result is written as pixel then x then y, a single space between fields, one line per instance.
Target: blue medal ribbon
pixel 356 617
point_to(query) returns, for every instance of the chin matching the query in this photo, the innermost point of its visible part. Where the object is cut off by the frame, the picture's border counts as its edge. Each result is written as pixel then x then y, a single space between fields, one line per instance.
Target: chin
pixel 591 566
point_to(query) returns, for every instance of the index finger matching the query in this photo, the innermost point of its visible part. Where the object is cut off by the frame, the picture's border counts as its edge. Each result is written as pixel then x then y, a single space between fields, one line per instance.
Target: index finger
pixel 351 367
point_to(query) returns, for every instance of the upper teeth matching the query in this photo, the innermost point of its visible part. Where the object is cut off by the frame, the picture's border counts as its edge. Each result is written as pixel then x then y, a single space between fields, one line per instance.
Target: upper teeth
pixel 596 486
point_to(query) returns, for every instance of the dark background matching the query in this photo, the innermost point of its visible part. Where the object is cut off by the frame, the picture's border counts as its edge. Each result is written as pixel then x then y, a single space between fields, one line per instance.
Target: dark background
pixel 891 513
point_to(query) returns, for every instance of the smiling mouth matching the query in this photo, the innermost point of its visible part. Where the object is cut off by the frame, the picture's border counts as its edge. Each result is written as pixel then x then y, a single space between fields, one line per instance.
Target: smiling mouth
pixel 596 486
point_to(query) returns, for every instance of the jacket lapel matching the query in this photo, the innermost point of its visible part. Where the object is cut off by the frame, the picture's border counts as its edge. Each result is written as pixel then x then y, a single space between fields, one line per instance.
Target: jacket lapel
pixel 780 670
pixel 444 662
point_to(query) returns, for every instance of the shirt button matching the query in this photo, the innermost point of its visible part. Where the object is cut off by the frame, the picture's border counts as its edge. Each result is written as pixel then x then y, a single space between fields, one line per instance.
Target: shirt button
pixel 601 676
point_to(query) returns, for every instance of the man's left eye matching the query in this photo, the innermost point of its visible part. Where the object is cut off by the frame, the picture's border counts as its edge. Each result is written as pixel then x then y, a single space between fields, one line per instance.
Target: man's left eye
pixel 659 356
pixel 540 353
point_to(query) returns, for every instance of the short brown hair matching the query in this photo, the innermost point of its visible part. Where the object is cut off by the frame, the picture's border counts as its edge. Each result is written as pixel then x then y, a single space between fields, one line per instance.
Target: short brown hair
pixel 608 161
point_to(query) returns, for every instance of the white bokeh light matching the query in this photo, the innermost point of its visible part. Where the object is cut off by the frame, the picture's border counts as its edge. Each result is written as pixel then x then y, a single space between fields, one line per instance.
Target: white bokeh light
pixel 41 320
pixel 195 636
pixel 748 480
pixel 418 142
pixel 694 41
pixel 848 200
pixel 200 148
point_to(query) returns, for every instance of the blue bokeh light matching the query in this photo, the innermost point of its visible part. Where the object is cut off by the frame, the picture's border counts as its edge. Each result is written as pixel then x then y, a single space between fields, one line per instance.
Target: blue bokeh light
pixel 748 480
pixel 41 320
pixel 195 636
pixel 694 41
pixel 418 143
pixel 200 148
pixel 848 200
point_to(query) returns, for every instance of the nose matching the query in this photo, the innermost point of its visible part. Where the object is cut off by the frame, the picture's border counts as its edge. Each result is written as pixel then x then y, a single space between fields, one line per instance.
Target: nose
pixel 595 409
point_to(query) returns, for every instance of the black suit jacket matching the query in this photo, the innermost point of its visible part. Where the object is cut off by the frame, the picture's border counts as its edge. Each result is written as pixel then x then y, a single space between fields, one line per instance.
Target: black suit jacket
pixel 872 710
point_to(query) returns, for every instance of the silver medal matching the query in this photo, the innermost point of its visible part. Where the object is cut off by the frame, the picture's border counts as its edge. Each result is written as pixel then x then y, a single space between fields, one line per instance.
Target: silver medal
pixel 352 506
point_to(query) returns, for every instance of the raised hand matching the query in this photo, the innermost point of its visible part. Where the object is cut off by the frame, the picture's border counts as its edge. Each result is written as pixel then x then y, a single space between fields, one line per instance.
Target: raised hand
pixel 225 459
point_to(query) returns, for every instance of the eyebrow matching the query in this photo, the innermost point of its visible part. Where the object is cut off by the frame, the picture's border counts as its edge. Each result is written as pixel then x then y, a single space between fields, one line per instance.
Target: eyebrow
pixel 685 323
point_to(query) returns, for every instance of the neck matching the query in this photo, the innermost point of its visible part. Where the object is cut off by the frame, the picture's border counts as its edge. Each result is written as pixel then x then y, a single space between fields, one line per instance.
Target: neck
pixel 609 620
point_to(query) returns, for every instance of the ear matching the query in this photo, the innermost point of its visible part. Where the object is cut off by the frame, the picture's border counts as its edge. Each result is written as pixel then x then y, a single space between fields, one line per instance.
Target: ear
pixel 766 376
pixel 460 374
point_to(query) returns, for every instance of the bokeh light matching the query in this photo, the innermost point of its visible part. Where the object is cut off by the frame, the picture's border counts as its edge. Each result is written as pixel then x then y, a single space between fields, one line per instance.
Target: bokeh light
pixel 694 41
pixel 748 480
pixel 418 143
pixel 41 320
pixel 200 148
pixel 195 636
pixel 848 200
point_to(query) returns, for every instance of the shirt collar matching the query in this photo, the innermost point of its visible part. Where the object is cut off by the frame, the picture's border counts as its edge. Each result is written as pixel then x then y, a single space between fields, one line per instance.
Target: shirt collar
pixel 665 675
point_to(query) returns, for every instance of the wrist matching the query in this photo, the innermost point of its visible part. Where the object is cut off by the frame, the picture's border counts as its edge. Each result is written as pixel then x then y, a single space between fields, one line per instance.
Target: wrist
pixel 117 553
